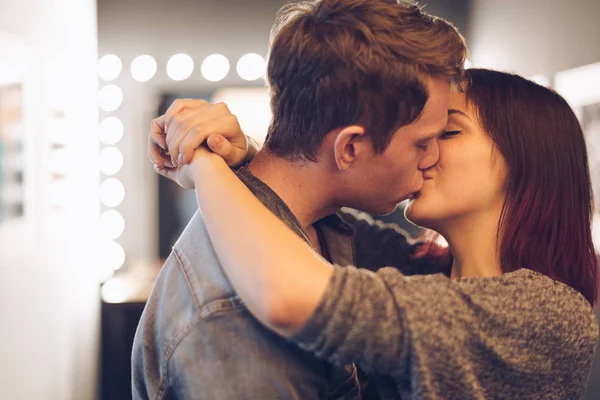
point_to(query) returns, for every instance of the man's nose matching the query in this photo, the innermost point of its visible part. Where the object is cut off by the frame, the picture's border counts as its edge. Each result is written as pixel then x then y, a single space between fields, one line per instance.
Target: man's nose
pixel 431 156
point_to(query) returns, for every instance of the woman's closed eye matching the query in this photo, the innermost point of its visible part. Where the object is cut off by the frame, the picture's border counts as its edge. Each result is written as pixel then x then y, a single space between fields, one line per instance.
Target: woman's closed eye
pixel 449 134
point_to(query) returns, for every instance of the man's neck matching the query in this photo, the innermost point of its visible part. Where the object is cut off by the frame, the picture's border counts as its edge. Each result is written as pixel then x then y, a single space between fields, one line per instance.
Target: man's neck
pixel 299 184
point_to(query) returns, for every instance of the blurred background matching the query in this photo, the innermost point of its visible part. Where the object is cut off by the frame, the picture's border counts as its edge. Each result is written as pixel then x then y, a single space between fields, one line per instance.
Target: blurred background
pixel 84 220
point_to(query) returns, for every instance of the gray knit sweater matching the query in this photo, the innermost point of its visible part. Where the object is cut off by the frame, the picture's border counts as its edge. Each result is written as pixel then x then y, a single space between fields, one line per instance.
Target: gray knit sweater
pixel 520 335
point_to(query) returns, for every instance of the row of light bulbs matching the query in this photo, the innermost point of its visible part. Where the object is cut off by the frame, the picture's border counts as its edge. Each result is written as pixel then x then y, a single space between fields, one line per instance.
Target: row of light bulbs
pixel 112 190
pixel 214 68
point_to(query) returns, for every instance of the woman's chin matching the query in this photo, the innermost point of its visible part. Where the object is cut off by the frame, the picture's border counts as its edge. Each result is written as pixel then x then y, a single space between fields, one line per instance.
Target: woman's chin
pixel 418 215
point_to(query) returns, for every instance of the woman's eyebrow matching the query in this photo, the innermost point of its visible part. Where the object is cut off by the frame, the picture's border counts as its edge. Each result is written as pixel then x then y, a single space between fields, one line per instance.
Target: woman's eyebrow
pixel 453 111
pixel 459 114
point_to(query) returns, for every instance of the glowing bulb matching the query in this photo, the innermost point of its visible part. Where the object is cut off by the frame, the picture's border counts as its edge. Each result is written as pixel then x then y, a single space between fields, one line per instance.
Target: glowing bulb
pixel 180 67
pixel 251 67
pixel 111 130
pixel 109 67
pixel 215 67
pixel 143 68
pixel 111 160
pixel 112 255
pixel 115 290
pixel 112 192
pixel 112 224
pixel 110 98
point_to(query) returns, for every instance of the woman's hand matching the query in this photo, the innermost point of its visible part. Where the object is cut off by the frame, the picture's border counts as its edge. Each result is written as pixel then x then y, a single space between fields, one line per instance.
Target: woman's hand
pixel 187 125
pixel 186 175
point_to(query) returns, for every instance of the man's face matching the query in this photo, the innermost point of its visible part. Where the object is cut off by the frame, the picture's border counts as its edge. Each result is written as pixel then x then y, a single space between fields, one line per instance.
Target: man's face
pixel 397 173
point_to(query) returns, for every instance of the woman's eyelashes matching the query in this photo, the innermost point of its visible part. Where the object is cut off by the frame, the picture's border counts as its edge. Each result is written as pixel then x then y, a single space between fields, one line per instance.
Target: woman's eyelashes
pixel 449 134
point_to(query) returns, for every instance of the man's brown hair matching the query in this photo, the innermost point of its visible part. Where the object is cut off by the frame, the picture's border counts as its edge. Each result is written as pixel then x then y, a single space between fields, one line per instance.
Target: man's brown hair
pixel 334 63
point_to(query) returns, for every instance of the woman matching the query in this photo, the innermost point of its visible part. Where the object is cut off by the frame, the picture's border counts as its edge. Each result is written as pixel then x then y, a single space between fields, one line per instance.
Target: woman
pixel 514 319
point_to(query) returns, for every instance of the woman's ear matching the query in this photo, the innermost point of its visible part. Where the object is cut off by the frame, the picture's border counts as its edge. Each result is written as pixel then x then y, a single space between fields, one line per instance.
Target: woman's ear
pixel 349 144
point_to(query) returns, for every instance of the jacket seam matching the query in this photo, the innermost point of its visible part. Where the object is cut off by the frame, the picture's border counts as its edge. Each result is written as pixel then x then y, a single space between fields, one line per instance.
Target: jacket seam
pixel 186 277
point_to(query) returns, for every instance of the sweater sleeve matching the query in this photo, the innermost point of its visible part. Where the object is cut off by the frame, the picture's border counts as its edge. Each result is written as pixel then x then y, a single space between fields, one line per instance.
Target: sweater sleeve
pixel 467 336
pixel 363 319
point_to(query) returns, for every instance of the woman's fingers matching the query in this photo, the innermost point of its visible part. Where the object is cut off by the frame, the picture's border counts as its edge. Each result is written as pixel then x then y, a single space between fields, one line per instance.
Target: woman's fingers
pixel 223 147
pixel 225 127
pixel 192 125
pixel 158 133
pixel 177 130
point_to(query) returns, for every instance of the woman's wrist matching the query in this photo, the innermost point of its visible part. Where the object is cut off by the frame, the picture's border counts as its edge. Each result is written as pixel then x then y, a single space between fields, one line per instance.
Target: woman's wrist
pixel 204 163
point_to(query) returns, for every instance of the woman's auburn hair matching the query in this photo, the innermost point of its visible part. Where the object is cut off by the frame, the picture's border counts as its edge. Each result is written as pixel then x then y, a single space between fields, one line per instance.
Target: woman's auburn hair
pixel 546 219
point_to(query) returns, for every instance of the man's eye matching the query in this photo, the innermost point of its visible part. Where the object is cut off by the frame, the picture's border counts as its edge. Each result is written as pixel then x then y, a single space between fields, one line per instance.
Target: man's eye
pixel 449 134
pixel 424 146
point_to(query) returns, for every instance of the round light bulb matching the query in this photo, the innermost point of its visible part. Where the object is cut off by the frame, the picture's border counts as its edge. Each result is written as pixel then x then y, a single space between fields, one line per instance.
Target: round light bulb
pixel 109 67
pixel 110 98
pixel 111 130
pixel 215 67
pixel 180 67
pixel 143 68
pixel 111 160
pixel 112 192
pixel 112 224
pixel 251 67
pixel 112 255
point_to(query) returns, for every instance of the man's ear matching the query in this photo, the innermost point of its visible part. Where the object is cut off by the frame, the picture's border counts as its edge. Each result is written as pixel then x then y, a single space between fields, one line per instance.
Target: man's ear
pixel 349 143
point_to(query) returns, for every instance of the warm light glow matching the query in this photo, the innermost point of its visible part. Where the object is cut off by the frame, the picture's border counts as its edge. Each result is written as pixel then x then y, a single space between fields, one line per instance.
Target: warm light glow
pixel 215 67
pixel 180 67
pixel 112 192
pixel 109 67
pixel 110 98
pixel 251 67
pixel 112 224
pixel 111 160
pixel 111 130
pixel 143 68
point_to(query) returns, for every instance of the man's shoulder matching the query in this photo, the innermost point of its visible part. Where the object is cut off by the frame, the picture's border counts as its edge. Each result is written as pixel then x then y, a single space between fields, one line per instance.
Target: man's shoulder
pixel 199 263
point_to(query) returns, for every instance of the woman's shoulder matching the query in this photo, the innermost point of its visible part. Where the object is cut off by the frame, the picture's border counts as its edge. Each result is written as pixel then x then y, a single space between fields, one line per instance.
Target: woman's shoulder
pixel 527 301
pixel 544 307
pixel 562 302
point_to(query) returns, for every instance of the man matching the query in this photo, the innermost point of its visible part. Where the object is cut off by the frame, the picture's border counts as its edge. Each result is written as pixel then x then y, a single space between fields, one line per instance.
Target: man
pixel 359 93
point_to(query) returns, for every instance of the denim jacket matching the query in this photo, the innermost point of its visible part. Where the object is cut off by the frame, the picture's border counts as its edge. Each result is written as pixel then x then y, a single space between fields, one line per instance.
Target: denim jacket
pixel 197 340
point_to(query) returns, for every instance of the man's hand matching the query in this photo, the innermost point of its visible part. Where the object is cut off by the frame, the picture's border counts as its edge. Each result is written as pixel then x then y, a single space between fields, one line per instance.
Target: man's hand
pixel 185 126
